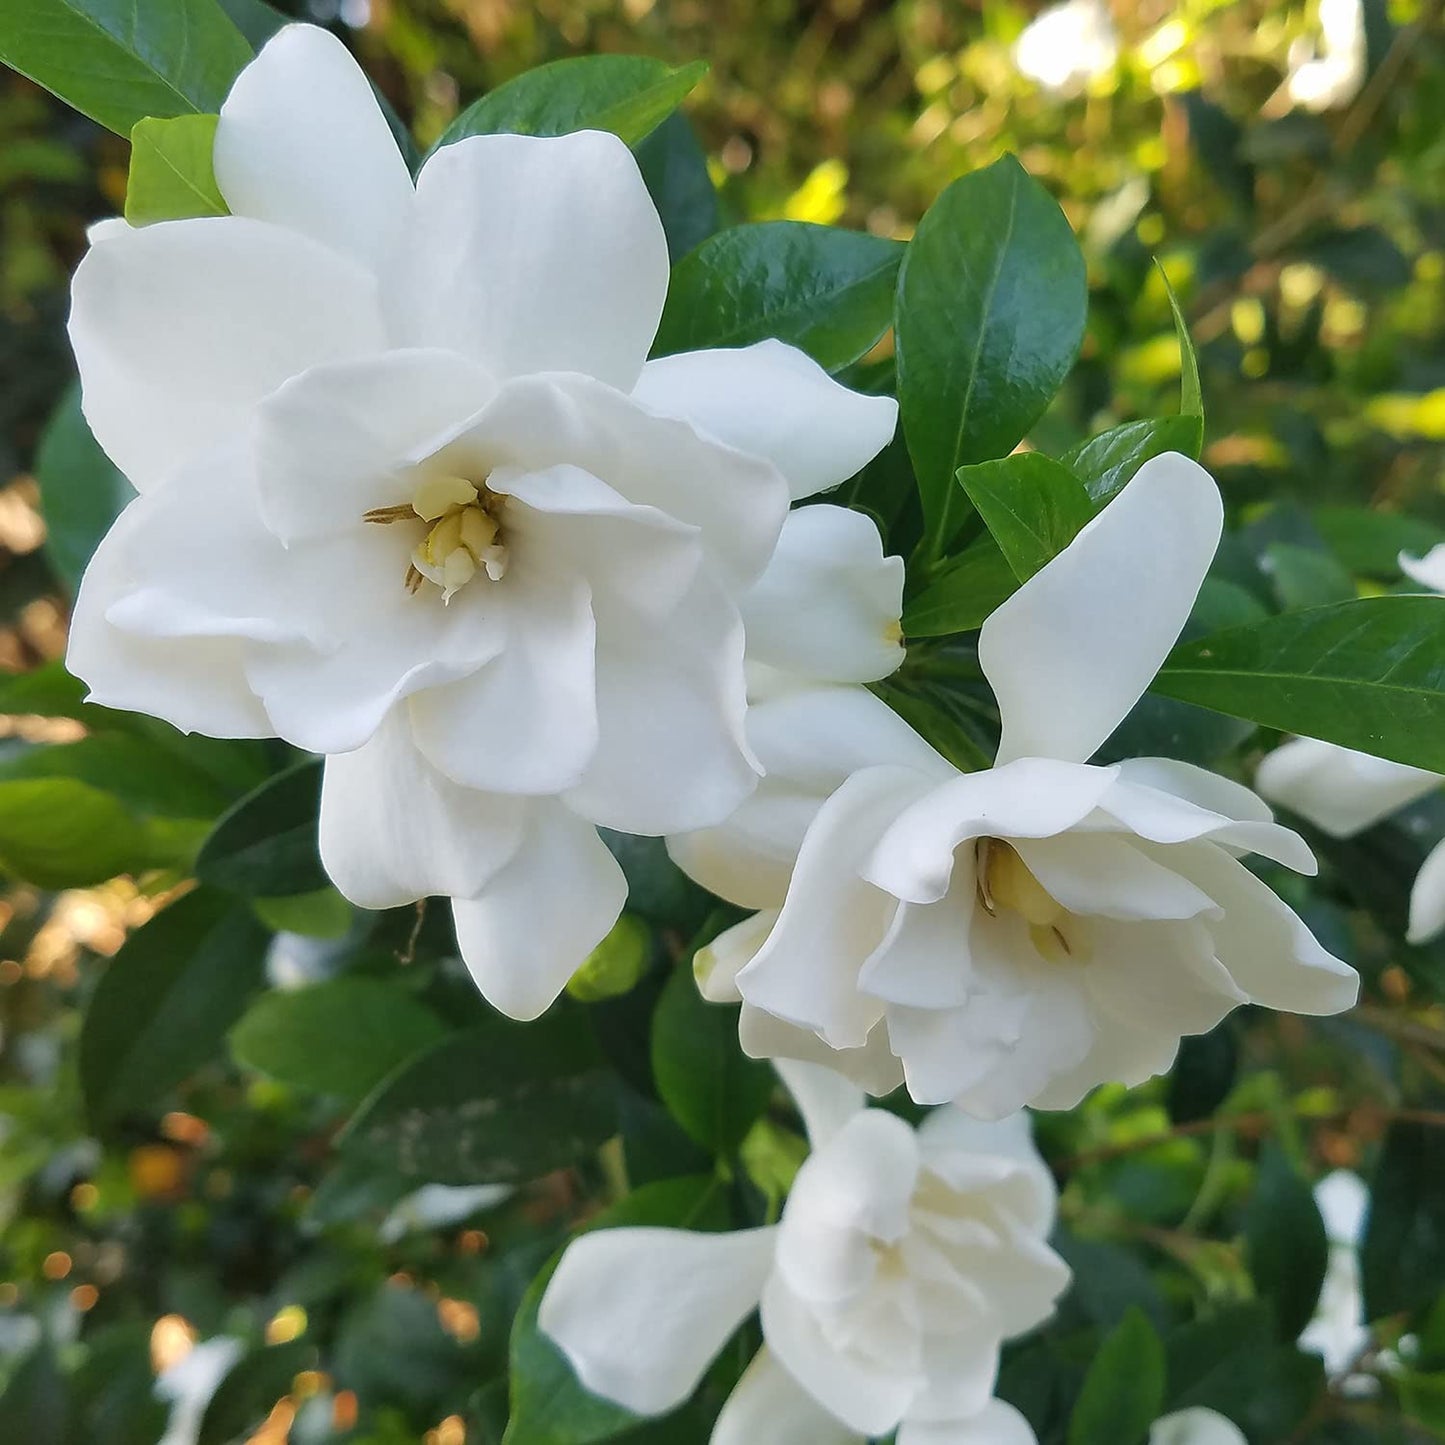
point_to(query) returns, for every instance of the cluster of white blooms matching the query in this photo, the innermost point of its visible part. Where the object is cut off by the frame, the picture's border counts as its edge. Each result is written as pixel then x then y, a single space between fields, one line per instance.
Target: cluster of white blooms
pixel 412 496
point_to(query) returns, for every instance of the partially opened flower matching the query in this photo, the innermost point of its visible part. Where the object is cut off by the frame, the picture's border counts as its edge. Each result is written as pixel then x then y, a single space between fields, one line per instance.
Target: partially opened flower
pixel 1196 1426
pixel 902 1261
pixel 1338 1333
pixel 1022 934
pixel 413 497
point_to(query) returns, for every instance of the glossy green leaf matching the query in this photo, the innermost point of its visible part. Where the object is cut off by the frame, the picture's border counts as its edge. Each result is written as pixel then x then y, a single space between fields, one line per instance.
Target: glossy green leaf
pixel 1370 542
pixel 249 1390
pixel 991 304
pixel 615 965
pixel 962 596
pixel 1285 1242
pixel 81 490
pixel 171 172
pixel 1368 674
pixel 709 1085
pixel 1033 507
pixel 1402 1259
pixel 826 291
pixel 266 846
pixel 1304 577
pixel 674 169
pixel 342 1037
pixel 1106 462
pixel 323 914
pixel 498 1104
pixel 1203 1074
pixel 166 1000
pixel 1191 394
pixel 1123 1392
pixel 119 61
pixel 630 95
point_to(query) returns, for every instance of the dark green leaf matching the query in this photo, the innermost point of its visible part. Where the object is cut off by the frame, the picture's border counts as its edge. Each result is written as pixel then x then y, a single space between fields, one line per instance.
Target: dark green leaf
pixel 265 846
pixel 1304 577
pixel 166 1000
pixel 1215 1361
pixel 497 1104
pixel 1368 674
pixel 250 1389
pixel 1402 1259
pixel 674 167
pixel 1370 542
pixel 549 1407
pixel 1203 1074
pixel 1123 1392
pixel 342 1037
pixel 119 61
pixel 1285 1242
pixel 630 95
pixel 255 19
pixel 33 1405
pixel 826 291
pixel 657 889
pixel 171 173
pixel 712 1088
pixel 1105 462
pixel 1033 506
pixel 323 914
pixel 81 490
pixel 991 303
pixel 963 595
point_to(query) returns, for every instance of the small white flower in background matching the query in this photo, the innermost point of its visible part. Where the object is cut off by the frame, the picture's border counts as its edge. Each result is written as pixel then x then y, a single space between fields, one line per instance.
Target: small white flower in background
pixel 1068 45
pixel 902 1262
pixel 190 1383
pixel 1344 792
pixel 1330 76
pixel 1196 1426
pixel 436 1206
pixel 1337 1333
pixel 413 497
pixel 1018 935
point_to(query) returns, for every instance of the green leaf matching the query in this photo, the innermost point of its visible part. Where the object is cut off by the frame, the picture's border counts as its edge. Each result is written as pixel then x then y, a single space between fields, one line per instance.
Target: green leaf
pixel 1191 395
pixel 340 1038
pixel 549 1406
pixel 1368 675
pixel 265 846
pixel 960 598
pixel 323 914
pixel 496 1104
pixel 166 1000
pixel 1285 1243
pixel 250 1389
pixel 1123 1392
pixel 674 168
pixel 991 306
pixel 710 1086
pixel 81 490
pixel 630 95
pixel 1203 1074
pixel 1304 577
pixel 1370 542
pixel 1106 462
pixel 616 964
pixel 826 291
pixel 1033 506
pixel 118 61
pixel 1402 1259
pixel 171 172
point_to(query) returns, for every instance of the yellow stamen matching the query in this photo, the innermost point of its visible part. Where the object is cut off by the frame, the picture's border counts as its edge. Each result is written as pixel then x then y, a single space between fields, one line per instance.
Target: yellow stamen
pixel 438 496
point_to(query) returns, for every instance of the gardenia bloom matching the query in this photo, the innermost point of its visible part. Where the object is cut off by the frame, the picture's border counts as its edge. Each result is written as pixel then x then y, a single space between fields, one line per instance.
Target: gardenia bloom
pixel 1196 1426
pixel 1343 792
pixel 1337 1333
pixel 1331 76
pixel 1018 935
pixel 902 1261
pixel 411 496
pixel 1067 45
pixel 190 1383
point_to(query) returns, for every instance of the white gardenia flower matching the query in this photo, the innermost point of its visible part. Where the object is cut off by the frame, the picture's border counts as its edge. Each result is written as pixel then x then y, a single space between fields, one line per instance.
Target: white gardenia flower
pixel 190 1383
pixel 1196 1426
pixel 902 1262
pixel 1018 935
pixel 1344 792
pixel 1337 1333
pixel 1330 76
pixel 1068 45
pixel 411 496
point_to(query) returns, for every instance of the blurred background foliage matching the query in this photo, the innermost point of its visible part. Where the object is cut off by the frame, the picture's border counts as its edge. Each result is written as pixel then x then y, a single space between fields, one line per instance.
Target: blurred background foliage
pixel 1286 164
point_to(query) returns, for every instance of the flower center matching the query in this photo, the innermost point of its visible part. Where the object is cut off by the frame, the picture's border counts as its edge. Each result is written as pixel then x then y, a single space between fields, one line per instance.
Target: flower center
pixel 1006 881
pixel 464 535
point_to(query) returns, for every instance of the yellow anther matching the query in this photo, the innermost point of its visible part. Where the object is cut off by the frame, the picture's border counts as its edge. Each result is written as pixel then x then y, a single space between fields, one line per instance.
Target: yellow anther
pixel 1008 882
pixel 443 539
pixel 437 497
pixel 478 531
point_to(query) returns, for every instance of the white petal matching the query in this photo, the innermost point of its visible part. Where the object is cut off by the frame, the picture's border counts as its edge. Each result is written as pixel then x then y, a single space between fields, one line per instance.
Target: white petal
pixel 807 971
pixel 1427 898
pixel 1196 1426
pixel 1344 1203
pixel 861 1179
pixel 302 143
pixel 949 1134
pixel 1076 646
pixel 872 1067
pixel 534 923
pixel 997 1424
pixel 1429 570
pixel 1338 789
pixel 827 608
pixel 923 959
pixel 526 722
pixel 1102 874
pixel 1267 949
pixel 535 254
pixel 393 829
pixel 640 1313
pixel 825 1099
pixel 331 444
pixel 716 965
pixel 1210 791
pixel 773 401
pixel 179 329
pixel 769 1407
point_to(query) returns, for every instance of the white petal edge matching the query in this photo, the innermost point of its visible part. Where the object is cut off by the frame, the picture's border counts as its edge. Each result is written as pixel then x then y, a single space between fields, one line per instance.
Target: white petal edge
pixel 1427 898
pixel 1196 1426
pixel 825 1098
pixel 998 1423
pixel 769 1407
